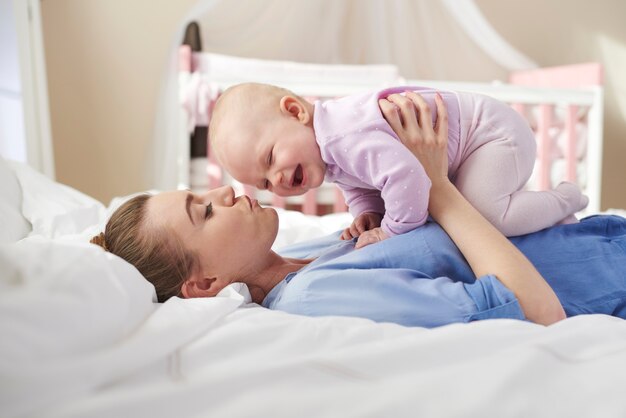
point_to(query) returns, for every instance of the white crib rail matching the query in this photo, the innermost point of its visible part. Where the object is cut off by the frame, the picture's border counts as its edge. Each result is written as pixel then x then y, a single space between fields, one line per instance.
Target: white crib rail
pixel 303 78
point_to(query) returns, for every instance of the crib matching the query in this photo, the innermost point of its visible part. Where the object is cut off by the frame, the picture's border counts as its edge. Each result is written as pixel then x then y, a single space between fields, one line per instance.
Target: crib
pixel 563 106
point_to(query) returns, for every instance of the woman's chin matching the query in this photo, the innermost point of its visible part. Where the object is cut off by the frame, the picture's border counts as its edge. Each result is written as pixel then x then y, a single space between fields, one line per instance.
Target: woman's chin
pixel 275 220
pixel 274 234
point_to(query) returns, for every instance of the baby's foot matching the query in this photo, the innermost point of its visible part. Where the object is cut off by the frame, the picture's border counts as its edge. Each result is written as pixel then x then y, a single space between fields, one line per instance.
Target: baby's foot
pixel 572 193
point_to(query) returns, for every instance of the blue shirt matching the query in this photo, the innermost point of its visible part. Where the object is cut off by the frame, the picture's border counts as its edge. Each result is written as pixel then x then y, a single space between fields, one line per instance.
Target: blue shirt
pixel 421 279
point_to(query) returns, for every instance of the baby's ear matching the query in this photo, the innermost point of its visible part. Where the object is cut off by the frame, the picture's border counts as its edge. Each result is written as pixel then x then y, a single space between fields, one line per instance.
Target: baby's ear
pixel 292 106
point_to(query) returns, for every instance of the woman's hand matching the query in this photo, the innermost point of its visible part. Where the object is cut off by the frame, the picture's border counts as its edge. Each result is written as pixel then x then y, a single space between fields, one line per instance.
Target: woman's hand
pixel 410 118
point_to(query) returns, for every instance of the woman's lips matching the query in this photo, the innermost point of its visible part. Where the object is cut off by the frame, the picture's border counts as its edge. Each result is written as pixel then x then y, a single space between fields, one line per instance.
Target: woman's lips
pixel 248 201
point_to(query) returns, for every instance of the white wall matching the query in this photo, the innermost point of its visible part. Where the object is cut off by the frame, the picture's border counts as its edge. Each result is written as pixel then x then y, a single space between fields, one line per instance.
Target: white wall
pixel 105 59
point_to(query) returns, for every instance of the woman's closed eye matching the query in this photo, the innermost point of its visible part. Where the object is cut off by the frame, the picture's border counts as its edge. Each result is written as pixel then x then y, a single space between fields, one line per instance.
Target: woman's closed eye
pixel 208 211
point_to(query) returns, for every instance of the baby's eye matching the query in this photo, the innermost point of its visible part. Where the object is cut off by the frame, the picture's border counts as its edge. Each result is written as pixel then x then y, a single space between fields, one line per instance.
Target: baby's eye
pixel 269 157
pixel 208 211
pixel 266 184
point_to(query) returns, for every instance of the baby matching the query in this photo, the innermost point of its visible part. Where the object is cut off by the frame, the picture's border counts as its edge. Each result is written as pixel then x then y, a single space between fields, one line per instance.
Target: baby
pixel 269 137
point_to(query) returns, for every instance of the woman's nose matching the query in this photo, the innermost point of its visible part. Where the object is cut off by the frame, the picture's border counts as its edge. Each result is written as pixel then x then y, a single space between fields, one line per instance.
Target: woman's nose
pixel 224 195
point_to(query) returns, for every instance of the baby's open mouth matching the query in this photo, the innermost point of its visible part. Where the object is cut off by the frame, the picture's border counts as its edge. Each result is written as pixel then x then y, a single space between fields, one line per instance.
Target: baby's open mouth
pixel 297 176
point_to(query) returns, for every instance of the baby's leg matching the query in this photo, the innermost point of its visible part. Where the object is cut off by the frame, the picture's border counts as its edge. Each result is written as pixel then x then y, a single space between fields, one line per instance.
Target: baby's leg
pixel 492 177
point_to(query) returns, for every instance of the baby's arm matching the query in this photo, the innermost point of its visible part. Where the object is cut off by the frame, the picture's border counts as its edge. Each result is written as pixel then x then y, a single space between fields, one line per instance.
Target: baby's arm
pixel 361 200
pixel 403 185
pixel 378 159
pixel 405 190
pixel 366 206
pixel 405 193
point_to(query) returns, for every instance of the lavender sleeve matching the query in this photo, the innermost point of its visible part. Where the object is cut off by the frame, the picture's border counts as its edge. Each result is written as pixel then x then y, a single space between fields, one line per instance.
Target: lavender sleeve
pixel 361 200
pixel 376 158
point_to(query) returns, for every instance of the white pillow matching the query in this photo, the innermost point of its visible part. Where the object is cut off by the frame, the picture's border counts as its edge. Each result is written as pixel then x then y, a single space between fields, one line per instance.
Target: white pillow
pixel 60 299
pixel 53 209
pixel 13 225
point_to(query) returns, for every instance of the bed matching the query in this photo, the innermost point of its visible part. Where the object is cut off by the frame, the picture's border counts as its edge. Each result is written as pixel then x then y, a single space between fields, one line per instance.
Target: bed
pixel 83 337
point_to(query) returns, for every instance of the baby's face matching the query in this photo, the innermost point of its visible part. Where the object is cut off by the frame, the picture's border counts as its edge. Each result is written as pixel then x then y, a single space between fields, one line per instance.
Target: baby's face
pixel 281 156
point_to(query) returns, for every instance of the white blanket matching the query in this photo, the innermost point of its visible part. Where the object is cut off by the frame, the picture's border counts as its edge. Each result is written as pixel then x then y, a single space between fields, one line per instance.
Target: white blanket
pixel 82 337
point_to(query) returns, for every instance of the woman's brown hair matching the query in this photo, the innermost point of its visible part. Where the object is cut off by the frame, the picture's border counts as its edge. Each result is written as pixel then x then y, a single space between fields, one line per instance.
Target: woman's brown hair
pixel 158 254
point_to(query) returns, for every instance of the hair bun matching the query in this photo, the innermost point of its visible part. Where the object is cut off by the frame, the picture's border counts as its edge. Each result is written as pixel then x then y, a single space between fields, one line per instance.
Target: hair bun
pixel 99 240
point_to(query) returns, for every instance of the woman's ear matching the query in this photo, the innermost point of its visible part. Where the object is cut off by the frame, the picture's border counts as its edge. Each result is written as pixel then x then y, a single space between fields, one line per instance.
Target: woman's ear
pixel 292 106
pixel 198 286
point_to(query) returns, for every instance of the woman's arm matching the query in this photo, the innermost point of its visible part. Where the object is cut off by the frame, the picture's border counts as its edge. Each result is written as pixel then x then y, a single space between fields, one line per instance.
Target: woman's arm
pixel 484 247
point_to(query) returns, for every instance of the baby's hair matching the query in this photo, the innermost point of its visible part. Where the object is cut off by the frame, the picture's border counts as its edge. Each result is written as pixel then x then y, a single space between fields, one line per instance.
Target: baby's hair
pixel 155 251
pixel 245 100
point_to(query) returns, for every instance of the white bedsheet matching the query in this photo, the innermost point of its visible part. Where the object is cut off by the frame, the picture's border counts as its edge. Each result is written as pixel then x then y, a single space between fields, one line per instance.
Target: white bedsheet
pixel 208 358
pixel 82 337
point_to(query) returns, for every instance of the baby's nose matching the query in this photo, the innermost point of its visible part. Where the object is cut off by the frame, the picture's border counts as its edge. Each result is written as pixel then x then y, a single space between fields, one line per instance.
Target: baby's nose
pixel 278 179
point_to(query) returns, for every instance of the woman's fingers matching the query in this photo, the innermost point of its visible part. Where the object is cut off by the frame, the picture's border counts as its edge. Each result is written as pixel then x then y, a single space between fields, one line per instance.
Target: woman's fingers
pixel 391 113
pixel 416 117
pixel 429 144
pixel 441 125
pixel 405 109
pixel 409 131
pixel 424 113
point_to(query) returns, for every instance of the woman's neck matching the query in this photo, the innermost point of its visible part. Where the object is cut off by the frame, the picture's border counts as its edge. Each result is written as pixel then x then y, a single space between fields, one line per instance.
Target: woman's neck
pixel 275 272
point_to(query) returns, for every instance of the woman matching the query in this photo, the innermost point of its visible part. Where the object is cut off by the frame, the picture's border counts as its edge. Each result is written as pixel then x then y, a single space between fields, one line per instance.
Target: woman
pixel 195 245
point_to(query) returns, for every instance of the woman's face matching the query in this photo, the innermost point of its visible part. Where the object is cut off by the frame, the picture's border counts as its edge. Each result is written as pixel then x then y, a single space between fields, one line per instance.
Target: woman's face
pixel 231 235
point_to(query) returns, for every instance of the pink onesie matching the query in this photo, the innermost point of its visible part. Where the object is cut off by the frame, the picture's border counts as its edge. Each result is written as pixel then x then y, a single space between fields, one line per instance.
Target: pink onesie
pixel 491 153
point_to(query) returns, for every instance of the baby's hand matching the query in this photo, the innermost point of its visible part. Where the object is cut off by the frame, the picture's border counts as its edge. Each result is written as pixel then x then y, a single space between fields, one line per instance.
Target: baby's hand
pixel 363 222
pixel 370 237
